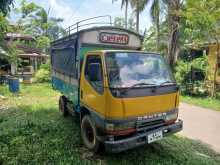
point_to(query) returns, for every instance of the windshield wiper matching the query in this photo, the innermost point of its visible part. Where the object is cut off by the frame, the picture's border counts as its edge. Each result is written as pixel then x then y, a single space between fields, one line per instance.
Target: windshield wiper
pixel 167 82
pixel 143 84
pixel 148 84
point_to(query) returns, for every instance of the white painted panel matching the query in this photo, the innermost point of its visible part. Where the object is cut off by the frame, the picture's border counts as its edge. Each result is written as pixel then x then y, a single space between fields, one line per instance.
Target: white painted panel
pixel 92 37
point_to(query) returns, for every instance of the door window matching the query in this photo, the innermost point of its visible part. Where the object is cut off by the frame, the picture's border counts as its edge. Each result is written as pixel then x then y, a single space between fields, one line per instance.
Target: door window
pixel 94 73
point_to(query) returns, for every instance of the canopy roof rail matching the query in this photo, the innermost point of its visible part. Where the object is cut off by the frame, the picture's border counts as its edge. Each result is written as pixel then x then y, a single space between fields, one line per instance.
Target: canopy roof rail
pixel 83 24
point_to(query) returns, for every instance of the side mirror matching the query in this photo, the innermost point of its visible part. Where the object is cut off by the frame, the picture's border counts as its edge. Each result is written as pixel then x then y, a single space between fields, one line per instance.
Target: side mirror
pixel 94 72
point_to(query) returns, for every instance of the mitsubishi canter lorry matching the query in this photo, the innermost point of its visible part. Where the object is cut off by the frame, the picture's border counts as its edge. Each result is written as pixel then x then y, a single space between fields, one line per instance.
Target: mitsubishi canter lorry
pixel 123 97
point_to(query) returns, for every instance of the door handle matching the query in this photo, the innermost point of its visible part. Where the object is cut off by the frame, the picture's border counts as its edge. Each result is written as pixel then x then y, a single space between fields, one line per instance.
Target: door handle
pixel 81 94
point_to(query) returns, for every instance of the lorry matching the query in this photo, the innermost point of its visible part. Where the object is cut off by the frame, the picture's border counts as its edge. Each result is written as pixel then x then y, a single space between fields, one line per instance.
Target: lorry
pixel 123 97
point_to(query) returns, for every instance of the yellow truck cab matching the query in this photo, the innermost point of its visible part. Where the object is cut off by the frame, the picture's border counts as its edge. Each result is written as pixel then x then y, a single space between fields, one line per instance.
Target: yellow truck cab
pixel 124 97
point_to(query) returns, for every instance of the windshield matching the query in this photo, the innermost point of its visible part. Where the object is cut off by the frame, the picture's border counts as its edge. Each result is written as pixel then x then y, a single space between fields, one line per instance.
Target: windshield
pixel 136 69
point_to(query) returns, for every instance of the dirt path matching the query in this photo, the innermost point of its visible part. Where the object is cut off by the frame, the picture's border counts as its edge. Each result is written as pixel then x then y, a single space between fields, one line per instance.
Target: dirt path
pixel 201 124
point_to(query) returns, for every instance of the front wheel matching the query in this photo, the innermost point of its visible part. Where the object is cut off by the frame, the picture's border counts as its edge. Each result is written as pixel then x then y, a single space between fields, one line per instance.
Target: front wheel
pixel 88 133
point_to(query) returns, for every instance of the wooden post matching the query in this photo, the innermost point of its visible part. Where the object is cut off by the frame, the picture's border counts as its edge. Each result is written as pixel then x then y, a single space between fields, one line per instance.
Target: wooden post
pixel 13 68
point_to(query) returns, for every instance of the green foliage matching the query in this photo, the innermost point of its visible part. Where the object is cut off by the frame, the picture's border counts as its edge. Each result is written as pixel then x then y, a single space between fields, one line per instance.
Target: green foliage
pixel 182 70
pixel 37 22
pixel 200 63
pixel 46 66
pixel 27 9
pixel 5 6
pixel 4 26
pixel 183 75
pixel 8 52
pixel 43 43
pixel 218 97
pixel 43 74
pixel 201 25
pixel 150 40
pixel 120 22
pixel 38 134
pixel 202 20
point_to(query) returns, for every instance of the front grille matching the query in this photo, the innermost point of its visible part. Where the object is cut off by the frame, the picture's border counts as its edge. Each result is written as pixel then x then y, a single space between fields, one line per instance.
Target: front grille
pixel 148 125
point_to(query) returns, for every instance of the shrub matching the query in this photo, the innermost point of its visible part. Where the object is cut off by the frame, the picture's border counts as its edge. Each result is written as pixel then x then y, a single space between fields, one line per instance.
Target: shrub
pixel 46 66
pixel 181 72
pixel 44 73
pixel 183 75
pixel 218 95
pixel 199 89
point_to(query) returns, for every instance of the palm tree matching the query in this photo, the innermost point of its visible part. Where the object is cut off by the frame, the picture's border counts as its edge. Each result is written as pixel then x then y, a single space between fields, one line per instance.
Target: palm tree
pixel 173 22
pixel 37 21
pixel 124 3
pixel 137 5
pixel 174 7
pixel 155 14
pixel 47 24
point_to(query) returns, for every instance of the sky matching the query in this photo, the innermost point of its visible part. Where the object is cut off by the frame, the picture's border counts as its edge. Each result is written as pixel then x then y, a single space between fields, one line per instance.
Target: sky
pixel 72 11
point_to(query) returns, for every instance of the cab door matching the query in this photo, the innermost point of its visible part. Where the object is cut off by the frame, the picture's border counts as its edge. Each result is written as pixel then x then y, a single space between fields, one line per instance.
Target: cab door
pixel 92 92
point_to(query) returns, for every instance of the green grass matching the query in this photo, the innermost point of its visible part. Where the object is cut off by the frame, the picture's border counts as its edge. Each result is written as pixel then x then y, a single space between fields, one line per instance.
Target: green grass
pixel 205 102
pixel 32 131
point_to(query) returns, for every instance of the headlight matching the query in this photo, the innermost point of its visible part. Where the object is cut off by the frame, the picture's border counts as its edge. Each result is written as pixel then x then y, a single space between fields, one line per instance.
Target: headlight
pixel 120 128
pixel 171 116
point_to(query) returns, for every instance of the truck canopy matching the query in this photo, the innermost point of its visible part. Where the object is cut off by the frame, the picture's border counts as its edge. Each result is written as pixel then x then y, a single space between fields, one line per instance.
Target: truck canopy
pixel 68 51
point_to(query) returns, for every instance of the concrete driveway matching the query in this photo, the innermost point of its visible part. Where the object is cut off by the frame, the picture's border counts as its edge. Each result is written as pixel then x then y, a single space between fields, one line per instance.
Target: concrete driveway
pixel 201 124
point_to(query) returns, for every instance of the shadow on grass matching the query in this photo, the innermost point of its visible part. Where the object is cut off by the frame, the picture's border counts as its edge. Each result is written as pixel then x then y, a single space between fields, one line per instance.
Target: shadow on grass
pixel 42 136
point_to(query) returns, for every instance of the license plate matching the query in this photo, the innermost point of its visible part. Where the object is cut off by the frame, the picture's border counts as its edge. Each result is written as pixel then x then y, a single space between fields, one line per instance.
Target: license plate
pixel 155 136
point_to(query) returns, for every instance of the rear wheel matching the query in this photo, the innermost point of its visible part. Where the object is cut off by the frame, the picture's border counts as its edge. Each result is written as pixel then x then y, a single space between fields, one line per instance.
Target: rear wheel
pixel 63 106
pixel 88 133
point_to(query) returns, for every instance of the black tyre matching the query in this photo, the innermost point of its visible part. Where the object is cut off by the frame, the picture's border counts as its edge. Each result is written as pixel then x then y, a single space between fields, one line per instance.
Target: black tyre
pixel 89 135
pixel 63 106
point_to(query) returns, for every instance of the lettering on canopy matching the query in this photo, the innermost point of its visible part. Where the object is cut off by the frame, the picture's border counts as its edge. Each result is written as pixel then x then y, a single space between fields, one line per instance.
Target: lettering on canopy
pixel 114 38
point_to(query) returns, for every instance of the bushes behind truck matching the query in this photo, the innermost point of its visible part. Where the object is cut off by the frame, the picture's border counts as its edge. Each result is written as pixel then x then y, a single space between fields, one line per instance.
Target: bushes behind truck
pixel 43 74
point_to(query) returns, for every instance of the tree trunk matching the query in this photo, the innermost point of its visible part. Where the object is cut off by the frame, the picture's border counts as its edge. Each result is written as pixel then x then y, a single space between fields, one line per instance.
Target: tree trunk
pixel 137 15
pixel 126 14
pixel 173 21
pixel 158 30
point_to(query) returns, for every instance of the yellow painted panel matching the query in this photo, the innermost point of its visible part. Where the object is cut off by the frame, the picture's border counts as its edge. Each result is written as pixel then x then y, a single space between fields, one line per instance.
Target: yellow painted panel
pixel 114 106
pixel 91 98
pixel 139 106
pixel 149 105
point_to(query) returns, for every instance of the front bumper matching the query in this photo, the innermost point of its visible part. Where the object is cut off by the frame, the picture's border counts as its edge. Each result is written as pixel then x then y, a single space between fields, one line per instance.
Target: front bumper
pixel 141 138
